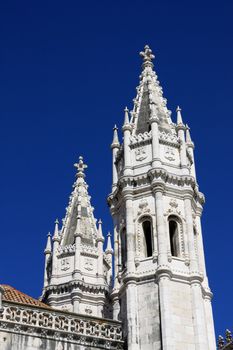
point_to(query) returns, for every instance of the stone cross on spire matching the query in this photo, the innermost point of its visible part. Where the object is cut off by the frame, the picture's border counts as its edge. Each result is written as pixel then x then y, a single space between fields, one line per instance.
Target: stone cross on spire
pixel 80 167
pixel 147 56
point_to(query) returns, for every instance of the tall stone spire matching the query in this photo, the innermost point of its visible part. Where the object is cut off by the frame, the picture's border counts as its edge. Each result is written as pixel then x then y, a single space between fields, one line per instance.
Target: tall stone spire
pixel 80 270
pixel 149 100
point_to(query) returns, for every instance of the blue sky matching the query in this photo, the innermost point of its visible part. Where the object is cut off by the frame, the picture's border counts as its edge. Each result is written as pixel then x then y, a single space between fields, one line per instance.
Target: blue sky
pixel 67 71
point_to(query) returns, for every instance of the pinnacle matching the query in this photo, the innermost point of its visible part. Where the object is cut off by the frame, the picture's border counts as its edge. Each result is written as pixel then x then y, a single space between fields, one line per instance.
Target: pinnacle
pixel 126 121
pixel 179 116
pixel 115 141
pixel 147 56
pixel 80 167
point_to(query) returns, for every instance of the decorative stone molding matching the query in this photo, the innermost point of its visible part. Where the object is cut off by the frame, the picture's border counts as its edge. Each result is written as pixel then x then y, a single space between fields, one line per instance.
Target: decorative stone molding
pixel 169 139
pixel 143 207
pixel 140 153
pixel 78 329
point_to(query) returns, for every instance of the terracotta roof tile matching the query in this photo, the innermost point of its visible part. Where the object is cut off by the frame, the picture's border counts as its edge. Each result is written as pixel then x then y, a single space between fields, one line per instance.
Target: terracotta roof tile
pixel 12 294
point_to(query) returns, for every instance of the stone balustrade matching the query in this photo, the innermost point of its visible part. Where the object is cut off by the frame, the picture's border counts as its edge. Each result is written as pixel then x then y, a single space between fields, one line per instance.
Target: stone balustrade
pixel 61 325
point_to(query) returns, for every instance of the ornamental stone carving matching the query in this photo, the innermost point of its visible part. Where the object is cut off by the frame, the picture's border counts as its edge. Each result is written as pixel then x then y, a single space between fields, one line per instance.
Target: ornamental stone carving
pixel 140 153
pixel 88 264
pixel 65 264
pixel 169 154
pixel 143 207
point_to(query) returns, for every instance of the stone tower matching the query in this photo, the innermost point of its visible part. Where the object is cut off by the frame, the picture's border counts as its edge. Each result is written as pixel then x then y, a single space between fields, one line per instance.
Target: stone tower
pixel 78 273
pixel 161 290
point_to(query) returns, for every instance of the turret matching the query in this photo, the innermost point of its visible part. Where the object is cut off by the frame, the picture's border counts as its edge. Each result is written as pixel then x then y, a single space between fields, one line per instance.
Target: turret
pixel 190 150
pixel 47 253
pixel 109 256
pixel 127 132
pixel 115 147
pixel 181 134
pixel 100 242
pixel 79 264
pixel 56 240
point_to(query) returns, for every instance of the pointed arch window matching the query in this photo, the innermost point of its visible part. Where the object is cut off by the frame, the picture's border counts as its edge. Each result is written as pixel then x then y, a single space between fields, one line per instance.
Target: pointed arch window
pixel 147 237
pixel 173 223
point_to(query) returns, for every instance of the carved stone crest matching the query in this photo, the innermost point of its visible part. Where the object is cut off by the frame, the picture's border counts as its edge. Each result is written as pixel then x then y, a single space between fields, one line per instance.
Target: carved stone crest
pixel 140 153
pixel 88 264
pixel 143 207
pixel 169 154
pixel 65 264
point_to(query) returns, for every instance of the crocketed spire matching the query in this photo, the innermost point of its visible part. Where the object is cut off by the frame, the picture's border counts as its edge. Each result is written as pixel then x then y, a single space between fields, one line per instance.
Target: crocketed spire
pixel 149 101
pixel 79 211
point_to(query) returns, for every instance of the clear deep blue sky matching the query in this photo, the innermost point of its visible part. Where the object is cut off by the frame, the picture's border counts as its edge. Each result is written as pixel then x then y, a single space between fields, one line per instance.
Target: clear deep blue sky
pixel 67 71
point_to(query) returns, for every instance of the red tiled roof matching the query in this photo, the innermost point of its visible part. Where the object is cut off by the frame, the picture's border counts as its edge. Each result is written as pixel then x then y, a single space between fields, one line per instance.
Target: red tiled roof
pixel 12 294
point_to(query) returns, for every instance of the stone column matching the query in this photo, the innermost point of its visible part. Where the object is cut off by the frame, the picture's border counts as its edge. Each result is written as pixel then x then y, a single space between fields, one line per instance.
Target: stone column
pixel 76 303
pixel 130 233
pixel 201 254
pixel 116 253
pixel 127 152
pixel 131 286
pixel 115 147
pixel 210 322
pixel 161 229
pixel 77 267
pixel 199 317
pixel 183 156
pixel 116 308
pixel 155 141
pixel 54 260
pixel 132 315
pixel 163 273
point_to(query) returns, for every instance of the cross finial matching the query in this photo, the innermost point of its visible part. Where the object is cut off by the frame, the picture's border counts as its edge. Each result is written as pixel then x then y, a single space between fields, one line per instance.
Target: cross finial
pixel 147 56
pixel 80 167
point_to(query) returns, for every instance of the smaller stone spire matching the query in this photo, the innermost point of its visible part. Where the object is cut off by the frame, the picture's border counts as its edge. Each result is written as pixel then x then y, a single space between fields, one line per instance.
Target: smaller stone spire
pixel 100 232
pixel 109 249
pixel 179 117
pixel 80 167
pixel 126 120
pixel 115 141
pixel 147 56
pixel 56 231
pixel 188 136
pixel 48 248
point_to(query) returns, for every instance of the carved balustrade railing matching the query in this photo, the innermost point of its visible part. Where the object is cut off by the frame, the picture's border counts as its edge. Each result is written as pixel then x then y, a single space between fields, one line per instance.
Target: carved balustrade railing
pixel 50 323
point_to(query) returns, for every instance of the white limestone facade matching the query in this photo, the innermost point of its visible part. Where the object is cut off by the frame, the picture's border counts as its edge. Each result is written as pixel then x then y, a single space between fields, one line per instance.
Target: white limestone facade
pixel 161 291
pixel 78 273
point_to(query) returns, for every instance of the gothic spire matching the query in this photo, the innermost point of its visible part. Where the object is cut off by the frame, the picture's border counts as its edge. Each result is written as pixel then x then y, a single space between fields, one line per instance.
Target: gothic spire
pixel 56 231
pixel 79 217
pixel 48 248
pixel 179 116
pixel 109 249
pixel 149 99
pixel 115 141
pixel 126 120
pixel 188 136
pixel 100 232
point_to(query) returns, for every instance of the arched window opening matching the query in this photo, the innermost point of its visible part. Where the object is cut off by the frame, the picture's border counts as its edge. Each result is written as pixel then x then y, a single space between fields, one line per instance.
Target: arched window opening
pixel 123 248
pixel 146 225
pixel 174 237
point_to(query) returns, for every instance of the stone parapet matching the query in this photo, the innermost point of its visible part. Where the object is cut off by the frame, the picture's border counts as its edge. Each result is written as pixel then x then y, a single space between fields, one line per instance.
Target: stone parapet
pixel 60 326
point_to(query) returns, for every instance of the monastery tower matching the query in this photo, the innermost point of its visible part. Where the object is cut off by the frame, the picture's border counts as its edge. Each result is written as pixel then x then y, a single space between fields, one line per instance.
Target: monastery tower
pixel 161 290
